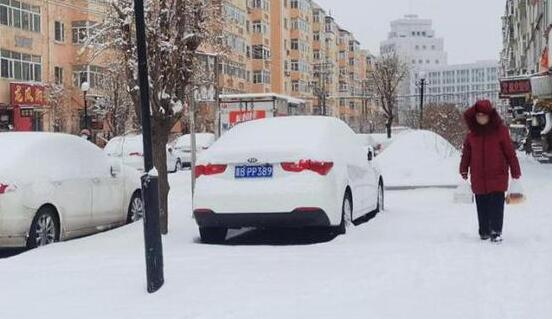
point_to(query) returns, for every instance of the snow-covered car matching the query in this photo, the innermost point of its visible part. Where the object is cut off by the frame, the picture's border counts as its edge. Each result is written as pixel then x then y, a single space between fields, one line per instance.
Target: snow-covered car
pixel 130 150
pixel 303 171
pixel 56 186
pixel 183 146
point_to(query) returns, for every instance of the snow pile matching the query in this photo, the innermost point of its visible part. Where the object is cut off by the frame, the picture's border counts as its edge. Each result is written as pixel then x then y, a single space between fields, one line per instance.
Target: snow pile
pixel 419 158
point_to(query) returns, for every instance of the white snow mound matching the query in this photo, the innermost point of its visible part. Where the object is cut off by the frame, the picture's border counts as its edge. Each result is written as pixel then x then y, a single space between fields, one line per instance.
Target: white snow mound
pixel 419 158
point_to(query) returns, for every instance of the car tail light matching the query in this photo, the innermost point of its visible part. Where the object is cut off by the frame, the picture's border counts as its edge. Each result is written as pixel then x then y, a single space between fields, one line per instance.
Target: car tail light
pixel 322 168
pixel 209 169
pixel 5 188
pixel 135 154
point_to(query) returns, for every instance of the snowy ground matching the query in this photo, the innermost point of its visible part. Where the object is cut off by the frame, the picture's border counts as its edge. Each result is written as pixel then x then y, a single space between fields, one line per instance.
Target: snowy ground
pixel 419 259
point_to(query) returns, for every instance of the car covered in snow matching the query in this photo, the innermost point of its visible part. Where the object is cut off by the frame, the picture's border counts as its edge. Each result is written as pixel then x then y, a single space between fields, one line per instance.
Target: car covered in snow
pixel 130 150
pixel 56 186
pixel 183 146
pixel 301 171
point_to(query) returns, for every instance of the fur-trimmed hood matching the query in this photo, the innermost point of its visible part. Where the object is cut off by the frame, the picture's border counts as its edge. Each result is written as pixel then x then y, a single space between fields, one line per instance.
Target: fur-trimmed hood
pixel 483 106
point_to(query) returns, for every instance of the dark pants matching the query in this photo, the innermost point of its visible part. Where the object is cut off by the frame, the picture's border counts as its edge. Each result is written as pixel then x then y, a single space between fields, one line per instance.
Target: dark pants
pixel 490 212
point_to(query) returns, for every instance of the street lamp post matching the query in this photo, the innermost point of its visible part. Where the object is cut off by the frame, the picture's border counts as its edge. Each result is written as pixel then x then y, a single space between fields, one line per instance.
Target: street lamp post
pixel 85 86
pixel 422 85
pixel 150 182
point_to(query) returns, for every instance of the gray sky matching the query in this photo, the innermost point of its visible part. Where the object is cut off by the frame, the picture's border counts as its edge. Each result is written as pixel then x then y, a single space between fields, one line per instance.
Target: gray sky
pixel 471 28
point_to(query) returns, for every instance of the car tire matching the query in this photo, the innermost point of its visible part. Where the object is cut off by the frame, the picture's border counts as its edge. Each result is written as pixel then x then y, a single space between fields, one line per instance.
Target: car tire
pixel 212 235
pixel 178 166
pixel 346 214
pixel 45 228
pixel 135 208
pixel 381 198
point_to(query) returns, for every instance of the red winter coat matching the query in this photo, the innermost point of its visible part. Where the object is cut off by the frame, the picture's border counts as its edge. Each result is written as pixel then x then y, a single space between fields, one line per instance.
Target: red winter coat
pixel 488 152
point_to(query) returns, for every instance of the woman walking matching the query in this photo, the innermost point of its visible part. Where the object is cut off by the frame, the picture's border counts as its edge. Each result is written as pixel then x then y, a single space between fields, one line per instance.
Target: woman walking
pixel 487 155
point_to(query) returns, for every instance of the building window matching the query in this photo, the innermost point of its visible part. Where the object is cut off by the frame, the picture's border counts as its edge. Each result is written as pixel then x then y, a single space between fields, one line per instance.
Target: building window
pixel 58 75
pixel 261 77
pixel 316 54
pixel 316 36
pixel 295 44
pixel 260 27
pixel 260 4
pixel 20 15
pixel 59 31
pixel 260 52
pixel 20 66
pixel 82 30
pixel 234 14
pixel 92 74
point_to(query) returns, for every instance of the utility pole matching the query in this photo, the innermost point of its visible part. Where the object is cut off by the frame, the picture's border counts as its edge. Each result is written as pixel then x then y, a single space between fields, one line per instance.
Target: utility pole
pixel 150 182
pixel 422 84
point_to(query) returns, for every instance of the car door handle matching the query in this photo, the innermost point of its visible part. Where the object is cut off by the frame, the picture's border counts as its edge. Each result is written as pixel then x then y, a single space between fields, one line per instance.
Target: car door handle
pixel 96 180
pixel 56 183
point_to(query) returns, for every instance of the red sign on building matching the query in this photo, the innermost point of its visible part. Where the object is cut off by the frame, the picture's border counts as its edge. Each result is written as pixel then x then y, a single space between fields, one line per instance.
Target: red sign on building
pixel 511 88
pixel 27 94
pixel 244 116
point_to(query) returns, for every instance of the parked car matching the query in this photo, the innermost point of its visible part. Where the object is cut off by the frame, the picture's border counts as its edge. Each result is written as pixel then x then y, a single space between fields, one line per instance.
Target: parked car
pixel 57 186
pixel 130 150
pixel 301 171
pixel 183 146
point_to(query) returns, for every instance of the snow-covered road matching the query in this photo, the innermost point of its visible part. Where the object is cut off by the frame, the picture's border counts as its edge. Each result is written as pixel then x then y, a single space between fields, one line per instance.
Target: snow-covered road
pixel 419 259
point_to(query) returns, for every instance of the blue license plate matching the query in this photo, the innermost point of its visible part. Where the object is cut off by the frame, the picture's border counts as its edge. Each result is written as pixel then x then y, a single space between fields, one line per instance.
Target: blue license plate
pixel 257 171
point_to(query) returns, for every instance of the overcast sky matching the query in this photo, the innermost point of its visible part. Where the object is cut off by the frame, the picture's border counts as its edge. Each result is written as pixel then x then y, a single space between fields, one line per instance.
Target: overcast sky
pixel 471 28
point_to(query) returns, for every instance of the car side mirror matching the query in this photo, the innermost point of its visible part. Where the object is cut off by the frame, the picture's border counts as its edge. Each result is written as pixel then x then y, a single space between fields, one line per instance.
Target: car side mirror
pixel 115 168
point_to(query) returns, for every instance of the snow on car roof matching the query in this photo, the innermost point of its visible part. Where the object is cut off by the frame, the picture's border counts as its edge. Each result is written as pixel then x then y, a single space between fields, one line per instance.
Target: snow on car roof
pixel 202 139
pixel 307 135
pixel 34 156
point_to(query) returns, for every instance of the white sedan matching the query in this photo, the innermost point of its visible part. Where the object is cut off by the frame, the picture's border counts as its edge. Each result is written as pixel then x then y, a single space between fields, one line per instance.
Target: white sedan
pixel 130 150
pixel 302 171
pixel 183 146
pixel 57 186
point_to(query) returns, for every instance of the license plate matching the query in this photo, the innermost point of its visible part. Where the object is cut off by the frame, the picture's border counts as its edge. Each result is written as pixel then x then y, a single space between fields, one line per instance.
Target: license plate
pixel 257 171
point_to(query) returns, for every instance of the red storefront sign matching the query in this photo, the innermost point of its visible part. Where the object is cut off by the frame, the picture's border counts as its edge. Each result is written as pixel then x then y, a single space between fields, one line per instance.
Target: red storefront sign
pixel 244 116
pixel 27 94
pixel 24 98
pixel 510 88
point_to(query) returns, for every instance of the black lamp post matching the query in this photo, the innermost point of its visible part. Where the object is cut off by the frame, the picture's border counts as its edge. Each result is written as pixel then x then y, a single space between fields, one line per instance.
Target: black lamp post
pixel 422 85
pixel 150 182
pixel 85 86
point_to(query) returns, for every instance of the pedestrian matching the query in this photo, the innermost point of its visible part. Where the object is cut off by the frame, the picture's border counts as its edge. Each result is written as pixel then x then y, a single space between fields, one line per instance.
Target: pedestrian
pixel 487 156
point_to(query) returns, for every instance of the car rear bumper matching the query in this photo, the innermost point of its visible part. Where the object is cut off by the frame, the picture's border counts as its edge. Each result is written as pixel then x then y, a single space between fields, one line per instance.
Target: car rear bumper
pixel 295 219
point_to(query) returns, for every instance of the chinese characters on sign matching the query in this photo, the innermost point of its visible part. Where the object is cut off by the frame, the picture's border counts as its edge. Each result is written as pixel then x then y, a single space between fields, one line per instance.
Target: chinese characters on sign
pixel 26 94
pixel 244 116
pixel 514 87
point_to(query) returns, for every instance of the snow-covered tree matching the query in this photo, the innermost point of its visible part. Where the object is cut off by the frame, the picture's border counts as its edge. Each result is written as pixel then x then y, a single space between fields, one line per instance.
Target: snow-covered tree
pixel 386 76
pixel 59 110
pixel 175 31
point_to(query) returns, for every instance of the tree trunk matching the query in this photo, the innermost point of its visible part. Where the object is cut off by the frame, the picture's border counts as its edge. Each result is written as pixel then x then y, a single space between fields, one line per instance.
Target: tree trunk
pixel 160 138
pixel 388 126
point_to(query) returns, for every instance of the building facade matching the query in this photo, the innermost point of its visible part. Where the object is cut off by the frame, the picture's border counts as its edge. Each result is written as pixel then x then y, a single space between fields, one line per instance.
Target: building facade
pixel 289 47
pixel 41 45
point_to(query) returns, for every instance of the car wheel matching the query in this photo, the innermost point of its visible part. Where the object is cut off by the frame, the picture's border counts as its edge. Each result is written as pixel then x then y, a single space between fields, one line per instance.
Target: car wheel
pixel 381 198
pixel 135 208
pixel 178 166
pixel 44 228
pixel 212 235
pixel 346 214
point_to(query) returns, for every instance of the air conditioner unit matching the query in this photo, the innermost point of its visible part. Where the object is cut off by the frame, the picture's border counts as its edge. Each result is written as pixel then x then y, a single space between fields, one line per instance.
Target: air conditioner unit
pixel 541 86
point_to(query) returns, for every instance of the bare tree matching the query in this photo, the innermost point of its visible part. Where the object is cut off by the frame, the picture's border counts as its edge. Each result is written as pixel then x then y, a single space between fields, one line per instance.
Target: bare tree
pixel 445 120
pixel 116 104
pixel 387 74
pixel 59 110
pixel 175 30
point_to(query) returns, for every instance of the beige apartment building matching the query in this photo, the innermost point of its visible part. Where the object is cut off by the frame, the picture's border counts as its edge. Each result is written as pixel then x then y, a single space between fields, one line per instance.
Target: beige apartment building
pixel 41 45
pixel 287 47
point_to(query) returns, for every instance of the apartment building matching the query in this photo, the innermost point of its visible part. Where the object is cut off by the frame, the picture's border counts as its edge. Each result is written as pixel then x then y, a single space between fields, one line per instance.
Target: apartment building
pixel 41 45
pixel 287 47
